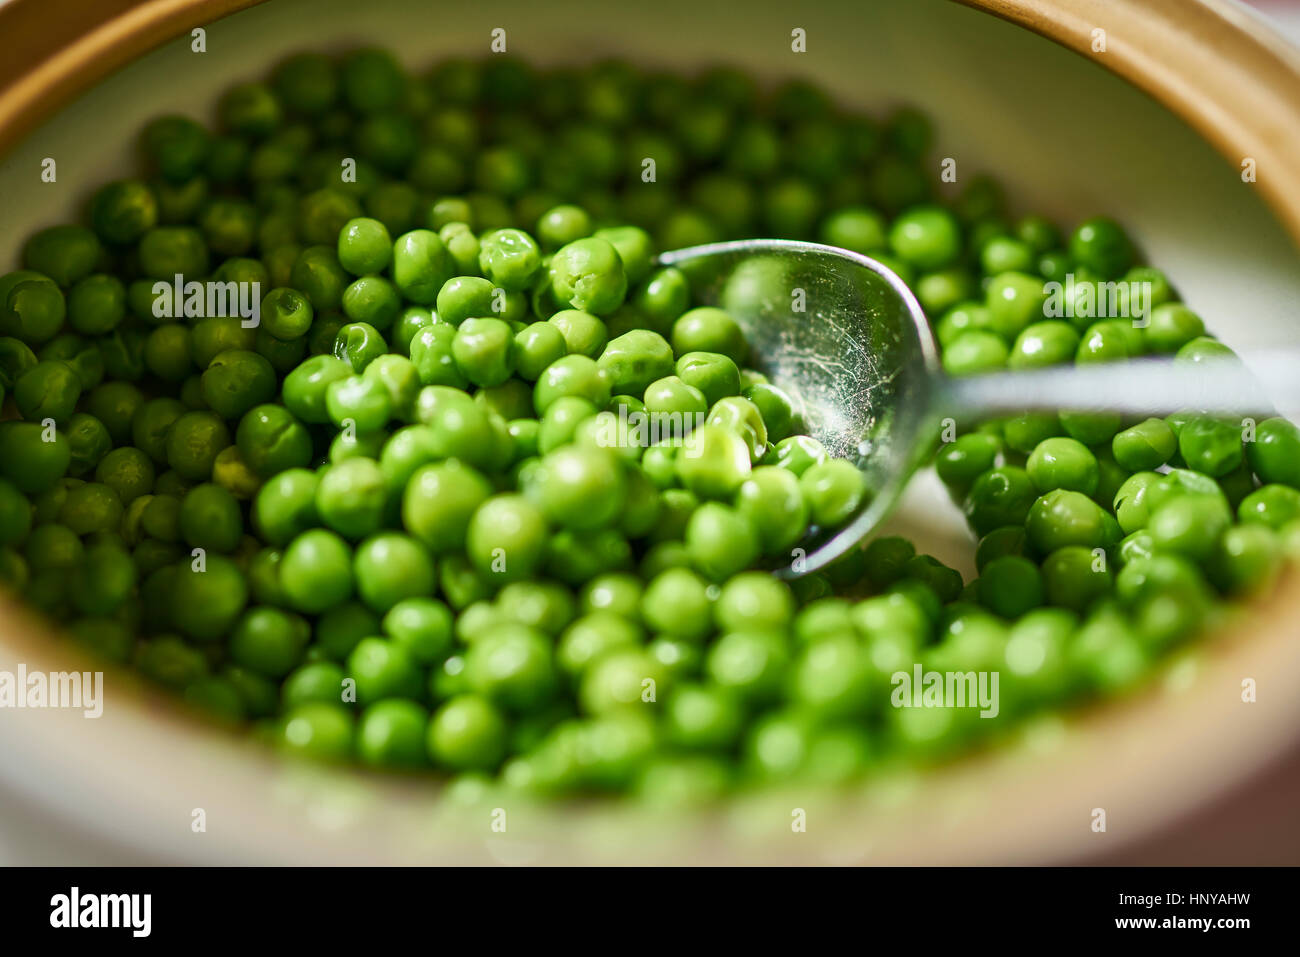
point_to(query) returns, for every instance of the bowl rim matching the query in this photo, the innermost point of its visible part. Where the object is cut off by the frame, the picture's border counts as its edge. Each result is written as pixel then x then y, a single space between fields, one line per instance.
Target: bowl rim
pixel 1201 59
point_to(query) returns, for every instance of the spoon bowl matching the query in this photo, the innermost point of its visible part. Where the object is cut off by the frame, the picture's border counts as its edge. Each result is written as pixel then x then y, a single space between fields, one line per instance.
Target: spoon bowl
pixel 845 337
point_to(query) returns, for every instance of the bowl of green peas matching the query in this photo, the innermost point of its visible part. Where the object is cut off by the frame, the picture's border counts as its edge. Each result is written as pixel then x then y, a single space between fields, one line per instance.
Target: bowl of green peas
pixel 393 502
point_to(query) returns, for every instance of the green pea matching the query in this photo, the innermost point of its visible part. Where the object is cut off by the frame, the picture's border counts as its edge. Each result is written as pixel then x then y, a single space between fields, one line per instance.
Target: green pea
pixel 320 277
pixel 1102 246
pixel 1063 463
pixel 1189 525
pixel 237 380
pixel 439 502
pixel 467 732
pixel 304 389
pixel 218 334
pixel 1246 559
pixel 1074 577
pixel 927 237
pixel 423 626
pixel 584 334
pixel 122 211
pixel 713 462
pixel 634 247
pixel 350 498
pixel 286 313
pixel 49 389
pixel 505 538
pixel 382 670
pixel 210 519
pixel 967 457
pixel 361 401
pixel 748 664
pixel 1046 343
pixel 391 567
pixel 372 300
pixel 1147 445
pixel 704 716
pixel 572 375
pixel 96 304
pixel 509 258
pixel 720 540
pixel 1091 428
pixel 207 598
pixel 513 667
pixel 1273 505
pixel 359 344
pixel 1211 446
pixel 1275 454
pixel 483 350
pixel 1015 300
pixel 587 274
pixel 561 225
pixel 32 307
pixel 1172 325
pixel 974 352
pixel 364 247
pixel 316 571
pixel 835 491
pixel 796 454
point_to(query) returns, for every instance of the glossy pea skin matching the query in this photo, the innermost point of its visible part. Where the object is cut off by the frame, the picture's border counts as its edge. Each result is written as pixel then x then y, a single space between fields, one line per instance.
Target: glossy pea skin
pixel 1275 454
pixel 316 571
pixel 966 458
pixel 467 732
pixel 440 500
pixel 572 375
pixel 390 567
pixel 1189 525
pixel 578 488
pixel 1063 463
pixel 1172 326
pixel 285 505
pixel 505 538
pixel 975 352
pixel 927 237
pixel 713 462
pixel 304 389
pixel 1144 446
pixel 237 380
pixel 1001 496
pixel 509 258
pixel 1046 343
pixel 1014 301
pixel 720 540
pixel 835 490
pixel 286 313
pixel 484 351
pixel 1272 505
pixel 773 501
pixel 1062 517
pixel 587 274
pixel 364 246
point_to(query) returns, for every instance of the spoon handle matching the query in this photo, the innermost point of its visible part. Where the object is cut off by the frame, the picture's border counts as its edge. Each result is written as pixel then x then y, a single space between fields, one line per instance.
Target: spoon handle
pixel 1251 384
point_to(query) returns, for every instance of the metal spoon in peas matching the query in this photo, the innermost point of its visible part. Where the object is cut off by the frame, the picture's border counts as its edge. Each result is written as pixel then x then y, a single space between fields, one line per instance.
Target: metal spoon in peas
pixel 845 336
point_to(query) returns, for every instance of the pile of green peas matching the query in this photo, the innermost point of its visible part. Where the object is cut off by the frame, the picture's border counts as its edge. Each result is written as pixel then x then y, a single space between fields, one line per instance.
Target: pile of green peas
pixel 396 521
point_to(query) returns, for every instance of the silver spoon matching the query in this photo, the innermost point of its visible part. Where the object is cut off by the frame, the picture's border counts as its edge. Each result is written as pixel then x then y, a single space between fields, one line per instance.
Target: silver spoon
pixel 845 335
